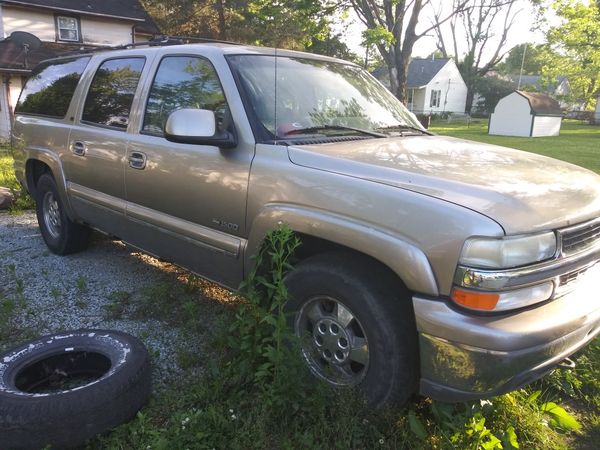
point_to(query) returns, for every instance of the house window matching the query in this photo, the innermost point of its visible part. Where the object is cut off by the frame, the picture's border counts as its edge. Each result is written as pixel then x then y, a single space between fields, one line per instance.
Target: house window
pixel 435 99
pixel 410 98
pixel 67 29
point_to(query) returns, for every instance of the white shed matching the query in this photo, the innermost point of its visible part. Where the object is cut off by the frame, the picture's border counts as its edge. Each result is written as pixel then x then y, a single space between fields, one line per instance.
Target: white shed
pixel 526 114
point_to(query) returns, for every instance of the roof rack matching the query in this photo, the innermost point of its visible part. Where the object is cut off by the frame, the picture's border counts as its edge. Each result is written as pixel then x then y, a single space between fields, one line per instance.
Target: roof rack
pixel 175 40
pixel 154 42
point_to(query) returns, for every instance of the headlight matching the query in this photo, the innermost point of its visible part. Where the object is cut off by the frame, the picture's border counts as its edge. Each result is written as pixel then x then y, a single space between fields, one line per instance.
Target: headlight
pixel 508 252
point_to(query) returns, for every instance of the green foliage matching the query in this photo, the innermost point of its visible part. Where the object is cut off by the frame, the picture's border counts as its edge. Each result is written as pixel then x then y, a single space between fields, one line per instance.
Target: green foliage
pixel 491 90
pixel 535 56
pixel 559 418
pixel 82 285
pixel 576 45
pixel 23 200
pixel 259 338
pixel 378 35
pixel 297 24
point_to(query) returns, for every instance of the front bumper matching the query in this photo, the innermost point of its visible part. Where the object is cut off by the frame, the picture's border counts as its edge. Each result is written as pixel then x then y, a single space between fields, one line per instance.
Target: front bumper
pixel 465 356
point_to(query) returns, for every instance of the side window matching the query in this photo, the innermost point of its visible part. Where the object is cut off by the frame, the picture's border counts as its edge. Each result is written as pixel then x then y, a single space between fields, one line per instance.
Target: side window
pixel 111 93
pixel 183 82
pixel 49 89
pixel 435 98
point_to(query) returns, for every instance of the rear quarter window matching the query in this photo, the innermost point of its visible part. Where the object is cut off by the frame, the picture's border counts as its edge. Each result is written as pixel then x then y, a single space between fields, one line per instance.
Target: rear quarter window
pixel 49 89
pixel 109 99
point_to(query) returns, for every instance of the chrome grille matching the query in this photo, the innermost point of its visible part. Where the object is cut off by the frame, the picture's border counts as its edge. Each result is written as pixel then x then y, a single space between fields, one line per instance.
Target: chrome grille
pixel 580 237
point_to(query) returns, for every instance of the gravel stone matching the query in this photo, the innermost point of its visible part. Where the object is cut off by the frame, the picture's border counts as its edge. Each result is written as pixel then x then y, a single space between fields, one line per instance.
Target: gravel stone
pixel 56 299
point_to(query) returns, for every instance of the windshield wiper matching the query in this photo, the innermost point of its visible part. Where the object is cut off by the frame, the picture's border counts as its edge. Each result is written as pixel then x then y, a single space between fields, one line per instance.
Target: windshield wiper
pixel 321 128
pixel 402 128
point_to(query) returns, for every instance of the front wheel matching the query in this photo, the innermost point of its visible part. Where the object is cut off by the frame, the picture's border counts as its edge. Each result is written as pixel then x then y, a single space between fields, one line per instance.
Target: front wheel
pixel 61 234
pixel 356 328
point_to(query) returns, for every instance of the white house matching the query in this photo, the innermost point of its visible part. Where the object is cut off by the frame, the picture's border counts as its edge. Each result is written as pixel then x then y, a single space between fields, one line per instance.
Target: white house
pixel 597 113
pixel 434 86
pixel 526 114
pixel 62 26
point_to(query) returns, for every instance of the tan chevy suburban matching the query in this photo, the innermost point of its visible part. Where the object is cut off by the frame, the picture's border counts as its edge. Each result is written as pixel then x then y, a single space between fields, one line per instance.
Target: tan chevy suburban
pixel 429 264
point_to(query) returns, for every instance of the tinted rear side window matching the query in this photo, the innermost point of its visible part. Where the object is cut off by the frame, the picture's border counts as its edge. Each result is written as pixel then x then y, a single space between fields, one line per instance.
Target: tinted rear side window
pixel 111 93
pixel 50 87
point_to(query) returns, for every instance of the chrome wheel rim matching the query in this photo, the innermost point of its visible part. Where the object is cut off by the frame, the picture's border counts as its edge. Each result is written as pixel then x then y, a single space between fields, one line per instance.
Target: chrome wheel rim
pixel 51 212
pixel 333 341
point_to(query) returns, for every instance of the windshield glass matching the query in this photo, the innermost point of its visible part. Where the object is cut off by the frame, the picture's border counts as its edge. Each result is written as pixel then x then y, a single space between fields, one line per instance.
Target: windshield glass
pixel 297 96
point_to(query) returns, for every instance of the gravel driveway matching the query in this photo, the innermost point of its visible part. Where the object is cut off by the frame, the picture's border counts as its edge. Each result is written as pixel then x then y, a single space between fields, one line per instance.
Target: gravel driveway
pixel 83 290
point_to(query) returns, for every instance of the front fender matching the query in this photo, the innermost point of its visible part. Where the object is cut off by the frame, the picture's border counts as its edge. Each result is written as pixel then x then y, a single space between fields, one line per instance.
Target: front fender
pixel 406 260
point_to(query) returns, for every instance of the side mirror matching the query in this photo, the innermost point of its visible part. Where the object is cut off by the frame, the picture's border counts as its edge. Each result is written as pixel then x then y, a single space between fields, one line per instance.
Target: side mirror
pixel 197 126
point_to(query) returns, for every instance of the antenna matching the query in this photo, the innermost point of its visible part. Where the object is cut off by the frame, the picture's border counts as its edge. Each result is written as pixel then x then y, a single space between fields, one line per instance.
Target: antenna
pixel 27 41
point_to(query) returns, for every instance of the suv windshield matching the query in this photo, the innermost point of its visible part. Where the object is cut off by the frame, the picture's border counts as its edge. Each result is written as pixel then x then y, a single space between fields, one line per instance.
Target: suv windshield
pixel 294 97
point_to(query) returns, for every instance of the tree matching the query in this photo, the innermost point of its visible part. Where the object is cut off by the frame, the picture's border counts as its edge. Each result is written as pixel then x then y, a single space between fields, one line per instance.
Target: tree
pixel 535 56
pixel 474 26
pixel 392 28
pixel 491 90
pixel 576 42
pixel 296 24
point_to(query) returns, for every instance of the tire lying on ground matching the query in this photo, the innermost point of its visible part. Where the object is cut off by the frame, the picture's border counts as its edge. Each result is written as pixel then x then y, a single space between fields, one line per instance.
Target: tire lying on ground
pixel 62 389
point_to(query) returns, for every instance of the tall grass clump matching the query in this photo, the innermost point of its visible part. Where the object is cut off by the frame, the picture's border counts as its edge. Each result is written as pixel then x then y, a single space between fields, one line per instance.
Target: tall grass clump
pixel 23 200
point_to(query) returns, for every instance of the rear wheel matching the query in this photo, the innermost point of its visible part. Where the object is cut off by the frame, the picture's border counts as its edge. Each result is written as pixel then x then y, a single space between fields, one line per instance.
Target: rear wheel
pixel 61 234
pixel 356 327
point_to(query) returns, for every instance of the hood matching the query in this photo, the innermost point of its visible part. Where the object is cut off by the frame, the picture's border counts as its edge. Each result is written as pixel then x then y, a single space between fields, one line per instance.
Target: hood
pixel 521 191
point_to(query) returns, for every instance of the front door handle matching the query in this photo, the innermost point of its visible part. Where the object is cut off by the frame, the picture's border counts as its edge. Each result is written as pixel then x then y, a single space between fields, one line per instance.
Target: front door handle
pixel 78 148
pixel 137 160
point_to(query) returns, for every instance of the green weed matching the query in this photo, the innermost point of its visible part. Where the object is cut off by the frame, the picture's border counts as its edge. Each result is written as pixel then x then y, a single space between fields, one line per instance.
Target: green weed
pixel 119 301
pixel 82 285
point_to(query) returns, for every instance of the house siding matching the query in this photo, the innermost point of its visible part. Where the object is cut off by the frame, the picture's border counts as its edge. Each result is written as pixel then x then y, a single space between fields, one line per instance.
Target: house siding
pixel 94 30
pixel 4 111
pixel 39 23
pixel 453 91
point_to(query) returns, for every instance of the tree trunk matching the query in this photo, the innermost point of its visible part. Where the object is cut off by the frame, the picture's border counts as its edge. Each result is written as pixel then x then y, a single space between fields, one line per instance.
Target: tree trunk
pixel 222 22
pixel 470 96
pixel 402 77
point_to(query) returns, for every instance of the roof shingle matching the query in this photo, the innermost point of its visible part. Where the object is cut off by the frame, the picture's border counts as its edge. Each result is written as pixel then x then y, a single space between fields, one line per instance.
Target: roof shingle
pixel 542 104
pixel 422 71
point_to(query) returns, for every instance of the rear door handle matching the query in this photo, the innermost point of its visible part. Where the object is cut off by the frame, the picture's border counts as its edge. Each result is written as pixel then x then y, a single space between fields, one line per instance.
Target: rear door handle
pixel 78 148
pixel 137 160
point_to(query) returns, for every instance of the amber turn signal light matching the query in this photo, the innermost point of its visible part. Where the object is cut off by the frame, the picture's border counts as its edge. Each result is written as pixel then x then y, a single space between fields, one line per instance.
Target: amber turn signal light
pixel 482 301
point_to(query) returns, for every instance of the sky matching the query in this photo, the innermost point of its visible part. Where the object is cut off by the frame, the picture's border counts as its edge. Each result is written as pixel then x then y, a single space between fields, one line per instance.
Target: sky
pixel 520 32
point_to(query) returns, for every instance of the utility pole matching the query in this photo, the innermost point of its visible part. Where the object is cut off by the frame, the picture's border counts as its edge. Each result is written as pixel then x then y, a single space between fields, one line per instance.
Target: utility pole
pixel 522 64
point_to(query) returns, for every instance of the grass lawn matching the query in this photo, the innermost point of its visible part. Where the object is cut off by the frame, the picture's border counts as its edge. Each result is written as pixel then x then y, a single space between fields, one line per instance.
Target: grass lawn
pixel 578 143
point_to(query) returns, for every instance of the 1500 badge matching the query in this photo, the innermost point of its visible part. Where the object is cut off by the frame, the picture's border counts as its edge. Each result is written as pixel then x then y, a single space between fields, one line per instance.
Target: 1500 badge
pixel 227 225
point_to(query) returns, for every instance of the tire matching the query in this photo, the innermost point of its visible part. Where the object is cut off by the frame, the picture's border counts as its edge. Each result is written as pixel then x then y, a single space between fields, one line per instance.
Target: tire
pixel 61 234
pixel 62 389
pixel 356 328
